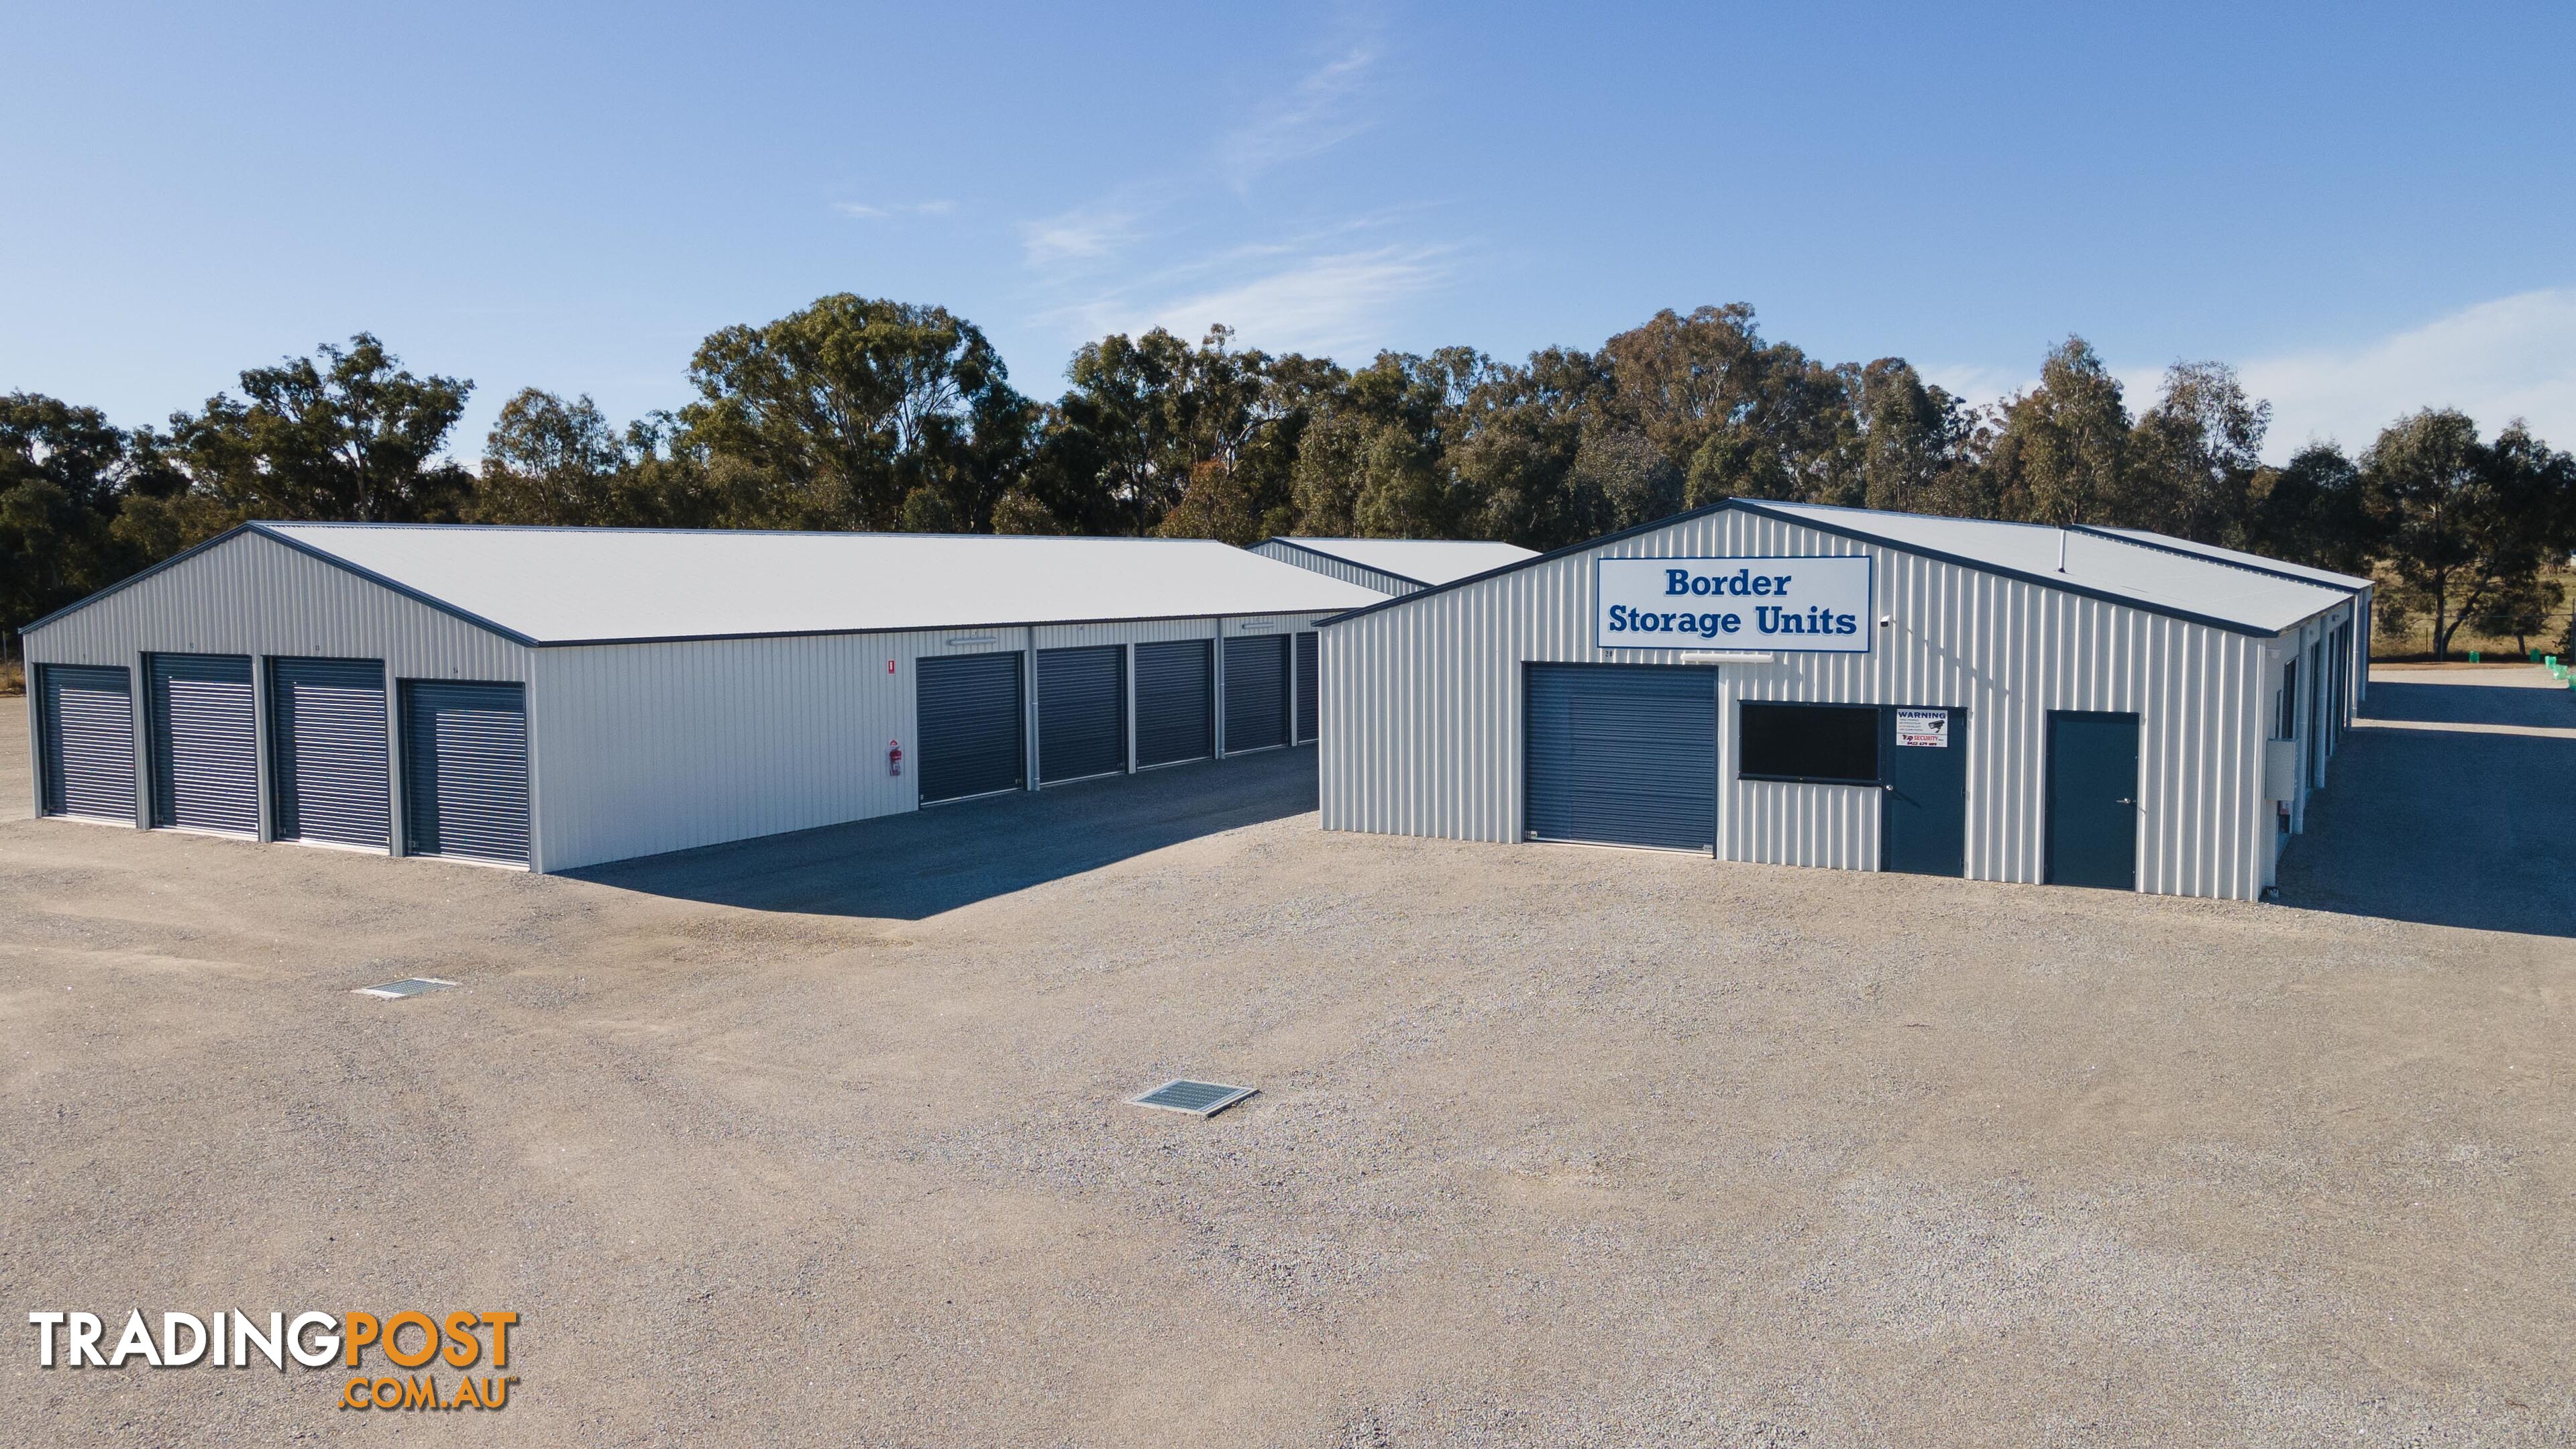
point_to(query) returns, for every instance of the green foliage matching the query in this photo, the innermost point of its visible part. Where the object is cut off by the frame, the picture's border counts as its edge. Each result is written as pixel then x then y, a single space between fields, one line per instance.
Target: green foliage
pixel 856 413
pixel 2465 527
pixel 834 416
pixel 351 436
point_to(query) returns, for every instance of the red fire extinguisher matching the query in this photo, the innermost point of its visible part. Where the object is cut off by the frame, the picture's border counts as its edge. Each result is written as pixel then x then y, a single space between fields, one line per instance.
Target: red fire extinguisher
pixel 894 757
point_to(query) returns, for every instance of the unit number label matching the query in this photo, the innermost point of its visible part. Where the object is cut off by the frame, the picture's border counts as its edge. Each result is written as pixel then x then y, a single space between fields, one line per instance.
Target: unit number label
pixel 1923 728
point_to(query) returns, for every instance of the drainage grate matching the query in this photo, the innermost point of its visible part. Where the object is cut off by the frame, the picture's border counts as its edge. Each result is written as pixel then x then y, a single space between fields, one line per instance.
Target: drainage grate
pixel 408 986
pixel 1199 1099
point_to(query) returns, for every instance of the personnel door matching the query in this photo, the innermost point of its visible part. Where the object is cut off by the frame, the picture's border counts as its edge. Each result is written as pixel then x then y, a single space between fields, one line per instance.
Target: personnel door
pixel 1924 821
pixel 2092 799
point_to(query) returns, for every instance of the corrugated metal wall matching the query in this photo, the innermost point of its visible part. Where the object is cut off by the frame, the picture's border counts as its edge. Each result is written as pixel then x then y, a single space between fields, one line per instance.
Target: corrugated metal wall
pixel 1422 706
pixel 1343 569
pixel 254 595
pixel 655 747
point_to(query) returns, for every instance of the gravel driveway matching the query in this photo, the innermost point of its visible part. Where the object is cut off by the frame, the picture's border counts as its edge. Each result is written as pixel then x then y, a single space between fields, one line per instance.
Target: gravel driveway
pixel 822 1140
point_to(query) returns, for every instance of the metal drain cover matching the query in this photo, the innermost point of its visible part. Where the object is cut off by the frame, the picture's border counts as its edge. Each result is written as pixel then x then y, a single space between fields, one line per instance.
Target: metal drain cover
pixel 1199 1099
pixel 408 986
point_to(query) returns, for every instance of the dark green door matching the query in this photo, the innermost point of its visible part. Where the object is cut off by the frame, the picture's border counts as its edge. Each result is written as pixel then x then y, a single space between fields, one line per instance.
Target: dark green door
pixel 1924 823
pixel 2093 799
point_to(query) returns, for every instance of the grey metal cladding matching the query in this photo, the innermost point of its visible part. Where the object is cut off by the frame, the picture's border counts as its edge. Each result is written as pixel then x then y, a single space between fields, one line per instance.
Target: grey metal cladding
pixel 1424 721
pixel 327 750
pixel 204 742
pixel 249 593
pixel 1175 701
pixel 85 725
pixel 1082 712
pixel 1330 567
pixel 1256 692
pixel 1309 663
pixel 465 769
pixel 970 726
pixel 1623 755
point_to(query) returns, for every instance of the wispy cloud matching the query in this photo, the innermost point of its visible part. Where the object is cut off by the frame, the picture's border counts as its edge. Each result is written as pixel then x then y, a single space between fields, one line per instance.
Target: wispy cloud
pixel 1319 303
pixel 1086 233
pixel 2514 357
pixel 886 210
pixel 1325 108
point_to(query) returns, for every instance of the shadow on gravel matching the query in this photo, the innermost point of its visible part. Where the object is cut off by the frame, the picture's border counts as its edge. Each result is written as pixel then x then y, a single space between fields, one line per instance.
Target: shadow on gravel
pixel 906 867
pixel 2446 827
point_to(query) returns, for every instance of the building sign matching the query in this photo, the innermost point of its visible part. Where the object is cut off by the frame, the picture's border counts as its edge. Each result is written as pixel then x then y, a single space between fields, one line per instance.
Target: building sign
pixel 1794 605
pixel 1924 729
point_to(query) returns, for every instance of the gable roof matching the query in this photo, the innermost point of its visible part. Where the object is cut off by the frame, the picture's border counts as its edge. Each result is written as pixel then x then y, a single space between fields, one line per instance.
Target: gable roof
pixel 2177 584
pixel 2350 583
pixel 1425 561
pixel 543 586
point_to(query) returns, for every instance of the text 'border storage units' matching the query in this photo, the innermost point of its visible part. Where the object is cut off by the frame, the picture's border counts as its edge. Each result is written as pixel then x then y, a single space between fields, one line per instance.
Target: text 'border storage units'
pixel 1799 684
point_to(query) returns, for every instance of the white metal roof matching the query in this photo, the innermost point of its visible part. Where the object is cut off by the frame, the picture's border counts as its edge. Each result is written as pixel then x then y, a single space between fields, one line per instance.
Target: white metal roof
pixel 2327 577
pixel 2121 568
pixel 1423 560
pixel 566 585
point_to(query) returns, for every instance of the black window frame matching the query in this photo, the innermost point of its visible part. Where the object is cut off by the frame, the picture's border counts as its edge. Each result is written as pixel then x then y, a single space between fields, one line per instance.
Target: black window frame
pixel 1877 754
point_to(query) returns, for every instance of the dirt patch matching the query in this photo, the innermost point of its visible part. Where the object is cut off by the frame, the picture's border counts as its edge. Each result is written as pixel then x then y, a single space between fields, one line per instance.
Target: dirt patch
pixel 1554 1146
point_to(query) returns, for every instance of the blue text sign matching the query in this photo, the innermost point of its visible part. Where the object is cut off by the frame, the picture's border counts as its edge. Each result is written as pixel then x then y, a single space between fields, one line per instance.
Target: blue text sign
pixel 1792 605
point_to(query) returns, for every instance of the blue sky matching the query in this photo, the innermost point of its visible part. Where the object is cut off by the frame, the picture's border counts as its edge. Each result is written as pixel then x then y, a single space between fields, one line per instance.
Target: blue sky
pixel 2366 208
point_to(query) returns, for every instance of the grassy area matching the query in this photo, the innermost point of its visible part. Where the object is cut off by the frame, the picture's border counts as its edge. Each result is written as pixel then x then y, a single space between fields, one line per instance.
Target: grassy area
pixel 13 677
pixel 2415 640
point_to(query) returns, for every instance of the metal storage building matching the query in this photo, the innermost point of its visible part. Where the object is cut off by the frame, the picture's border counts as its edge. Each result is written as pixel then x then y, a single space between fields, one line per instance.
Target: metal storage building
pixel 1807 685
pixel 1394 565
pixel 554 698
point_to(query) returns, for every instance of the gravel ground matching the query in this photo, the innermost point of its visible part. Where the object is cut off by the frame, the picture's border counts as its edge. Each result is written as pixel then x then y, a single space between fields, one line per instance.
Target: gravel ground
pixel 823 1139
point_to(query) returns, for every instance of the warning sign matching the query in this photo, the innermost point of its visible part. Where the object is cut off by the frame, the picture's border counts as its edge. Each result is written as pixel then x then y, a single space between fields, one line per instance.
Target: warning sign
pixel 1927 729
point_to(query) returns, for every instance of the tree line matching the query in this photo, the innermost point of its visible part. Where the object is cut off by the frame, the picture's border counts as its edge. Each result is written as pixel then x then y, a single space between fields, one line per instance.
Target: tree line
pixel 857 413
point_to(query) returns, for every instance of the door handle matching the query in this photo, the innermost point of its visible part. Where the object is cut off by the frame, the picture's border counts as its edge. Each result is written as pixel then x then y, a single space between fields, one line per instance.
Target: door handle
pixel 2125 800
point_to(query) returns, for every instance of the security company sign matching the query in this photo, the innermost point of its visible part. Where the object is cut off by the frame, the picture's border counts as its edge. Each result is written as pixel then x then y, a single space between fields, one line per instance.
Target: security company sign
pixel 1794 605
pixel 1923 729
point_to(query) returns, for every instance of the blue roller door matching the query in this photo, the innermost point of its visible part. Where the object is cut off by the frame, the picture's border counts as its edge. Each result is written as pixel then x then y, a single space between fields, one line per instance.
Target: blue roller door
pixel 465 770
pixel 1622 755
pixel 1175 702
pixel 971 728
pixel 85 737
pixel 1082 712
pixel 1256 693
pixel 326 721
pixel 204 742
pixel 1309 676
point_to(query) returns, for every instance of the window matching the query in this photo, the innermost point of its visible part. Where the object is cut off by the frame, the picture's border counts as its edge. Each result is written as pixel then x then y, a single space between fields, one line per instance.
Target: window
pixel 1830 744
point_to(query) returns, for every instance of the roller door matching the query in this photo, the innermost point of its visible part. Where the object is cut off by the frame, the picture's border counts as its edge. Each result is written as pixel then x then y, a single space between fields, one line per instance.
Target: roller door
pixel 1256 692
pixel 204 742
pixel 326 718
pixel 85 724
pixel 1082 712
pixel 970 717
pixel 465 770
pixel 1309 675
pixel 1622 755
pixel 1175 697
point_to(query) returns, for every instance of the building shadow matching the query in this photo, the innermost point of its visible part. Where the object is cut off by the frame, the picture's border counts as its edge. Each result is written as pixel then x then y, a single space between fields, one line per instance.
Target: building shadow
pixel 907 867
pixel 2447 827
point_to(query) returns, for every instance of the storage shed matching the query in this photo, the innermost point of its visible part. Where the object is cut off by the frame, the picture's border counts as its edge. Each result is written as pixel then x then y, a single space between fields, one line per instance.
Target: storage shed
pixel 1394 565
pixel 553 698
pixel 1806 685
